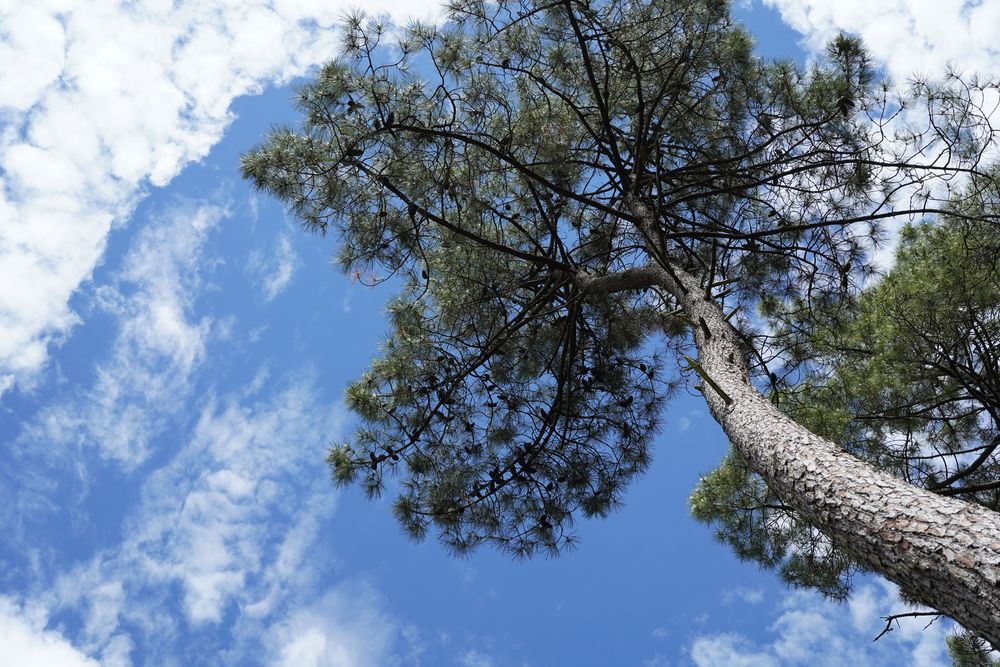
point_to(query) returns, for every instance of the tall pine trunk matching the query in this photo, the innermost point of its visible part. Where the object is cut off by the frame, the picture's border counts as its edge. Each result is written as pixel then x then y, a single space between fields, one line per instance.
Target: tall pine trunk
pixel 942 551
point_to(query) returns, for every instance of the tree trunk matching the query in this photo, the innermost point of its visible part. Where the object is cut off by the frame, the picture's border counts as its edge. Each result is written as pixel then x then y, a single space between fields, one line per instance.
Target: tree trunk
pixel 942 551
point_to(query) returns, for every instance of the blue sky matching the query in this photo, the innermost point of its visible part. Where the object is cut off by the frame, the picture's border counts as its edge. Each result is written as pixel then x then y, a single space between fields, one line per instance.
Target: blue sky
pixel 173 352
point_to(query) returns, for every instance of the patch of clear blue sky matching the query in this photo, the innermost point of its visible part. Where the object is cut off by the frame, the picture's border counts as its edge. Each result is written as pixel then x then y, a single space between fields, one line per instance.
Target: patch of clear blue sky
pixel 647 567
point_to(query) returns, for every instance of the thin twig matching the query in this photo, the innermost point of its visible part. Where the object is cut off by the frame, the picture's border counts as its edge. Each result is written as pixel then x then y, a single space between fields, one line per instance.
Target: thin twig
pixel 890 619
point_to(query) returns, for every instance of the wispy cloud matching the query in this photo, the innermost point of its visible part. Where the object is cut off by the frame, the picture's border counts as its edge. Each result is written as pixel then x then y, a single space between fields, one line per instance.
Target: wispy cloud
pixel 243 484
pixel 272 269
pixel 741 594
pixel 811 630
pixel 227 526
pixel 159 343
pixel 346 627
pixel 220 541
pixel 474 658
pixel 88 123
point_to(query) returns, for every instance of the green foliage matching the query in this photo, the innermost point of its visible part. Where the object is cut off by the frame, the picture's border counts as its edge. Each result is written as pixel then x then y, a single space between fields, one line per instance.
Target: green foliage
pixel 484 166
pixel 916 366
pixel 968 650
pixel 904 374
pixel 759 527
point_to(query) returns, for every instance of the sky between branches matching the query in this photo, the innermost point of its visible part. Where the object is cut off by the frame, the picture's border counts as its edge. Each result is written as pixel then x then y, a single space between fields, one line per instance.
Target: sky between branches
pixel 172 353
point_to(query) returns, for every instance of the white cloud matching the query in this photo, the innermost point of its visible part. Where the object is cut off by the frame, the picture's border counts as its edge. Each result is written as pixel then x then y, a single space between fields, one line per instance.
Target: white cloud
pixel 742 594
pixel 346 628
pixel 100 100
pixel 910 39
pixel 272 269
pixel 811 630
pixel 226 525
pixel 232 510
pixel 26 642
pixel 117 652
pixel 909 36
pixel 474 658
pixel 728 650
pixel 159 343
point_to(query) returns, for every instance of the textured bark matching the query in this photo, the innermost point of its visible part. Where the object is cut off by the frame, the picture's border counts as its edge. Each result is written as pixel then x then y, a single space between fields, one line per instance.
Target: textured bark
pixel 942 551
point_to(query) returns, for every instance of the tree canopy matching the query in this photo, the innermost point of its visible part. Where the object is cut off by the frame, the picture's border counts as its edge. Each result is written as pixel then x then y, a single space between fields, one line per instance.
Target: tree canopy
pixel 549 185
pixel 903 374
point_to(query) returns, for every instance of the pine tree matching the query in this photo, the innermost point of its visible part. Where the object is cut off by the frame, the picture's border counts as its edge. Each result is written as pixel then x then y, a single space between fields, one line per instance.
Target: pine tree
pixel 584 204
pixel 904 375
